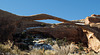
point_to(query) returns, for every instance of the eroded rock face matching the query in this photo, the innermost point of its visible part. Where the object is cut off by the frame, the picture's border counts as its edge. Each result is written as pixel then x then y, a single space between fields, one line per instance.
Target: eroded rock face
pixel 7 25
pixel 93 36
pixel 97 25
pixel 26 24
pixel 70 32
pixel 93 41
pixel 89 20
pixel 10 22
pixel 95 15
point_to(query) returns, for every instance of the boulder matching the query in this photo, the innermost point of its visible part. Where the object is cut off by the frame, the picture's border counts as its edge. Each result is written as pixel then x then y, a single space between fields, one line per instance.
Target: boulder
pixel 95 25
pixel 93 36
pixel 95 15
pixel 93 41
pixel 91 19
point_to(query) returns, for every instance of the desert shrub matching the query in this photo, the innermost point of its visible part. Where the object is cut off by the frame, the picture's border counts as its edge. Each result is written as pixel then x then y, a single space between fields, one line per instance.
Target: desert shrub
pixel 80 45
pixel 4 49
pixel 37 52
pixel 49 41
pixel 61 42
pixel 63 50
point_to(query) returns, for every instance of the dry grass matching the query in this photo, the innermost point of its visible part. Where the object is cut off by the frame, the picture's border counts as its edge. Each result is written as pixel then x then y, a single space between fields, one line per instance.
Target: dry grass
pixel 6 49
pixel 70 49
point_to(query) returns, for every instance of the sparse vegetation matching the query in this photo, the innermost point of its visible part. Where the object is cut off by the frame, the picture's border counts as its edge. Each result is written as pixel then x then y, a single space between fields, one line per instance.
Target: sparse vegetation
pixel 61 42
pixel 65 50
pixel 50 41
pixel 60 46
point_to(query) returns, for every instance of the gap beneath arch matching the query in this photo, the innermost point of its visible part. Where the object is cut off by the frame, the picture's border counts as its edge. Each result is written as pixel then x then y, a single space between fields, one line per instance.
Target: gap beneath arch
pixel 49 21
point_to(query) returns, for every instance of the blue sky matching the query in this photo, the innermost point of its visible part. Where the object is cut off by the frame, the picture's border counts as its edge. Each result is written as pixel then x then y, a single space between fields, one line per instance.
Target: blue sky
pixel 66 9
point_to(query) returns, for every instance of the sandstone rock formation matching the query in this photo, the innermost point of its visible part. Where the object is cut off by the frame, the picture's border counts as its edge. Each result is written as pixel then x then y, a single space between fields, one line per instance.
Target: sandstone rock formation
pixel 92 19
pixel 7 25
pixel 11 23
pixel 70 32
pixel 93 23
pixel 26 24
pixel 95 15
